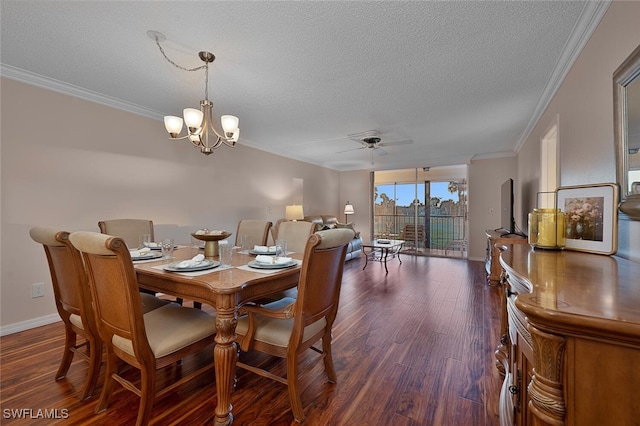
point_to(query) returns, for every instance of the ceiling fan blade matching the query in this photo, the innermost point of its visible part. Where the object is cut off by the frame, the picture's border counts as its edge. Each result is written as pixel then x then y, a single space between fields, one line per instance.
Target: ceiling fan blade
pixel 380 151
pixel 352 149
pixel 405 142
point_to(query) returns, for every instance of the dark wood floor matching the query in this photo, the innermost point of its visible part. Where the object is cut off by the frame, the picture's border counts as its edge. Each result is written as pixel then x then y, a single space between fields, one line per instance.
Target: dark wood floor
pixel 414 347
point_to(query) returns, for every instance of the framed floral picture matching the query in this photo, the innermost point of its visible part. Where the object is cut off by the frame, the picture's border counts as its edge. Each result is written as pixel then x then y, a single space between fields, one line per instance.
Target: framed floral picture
pixel 591 222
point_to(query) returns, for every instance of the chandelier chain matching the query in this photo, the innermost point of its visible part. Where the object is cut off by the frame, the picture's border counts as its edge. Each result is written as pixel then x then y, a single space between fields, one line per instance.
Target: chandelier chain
pixel 176 65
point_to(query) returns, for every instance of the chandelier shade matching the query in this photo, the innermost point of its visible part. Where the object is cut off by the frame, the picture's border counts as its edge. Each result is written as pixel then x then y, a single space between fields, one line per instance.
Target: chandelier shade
pixel 199 123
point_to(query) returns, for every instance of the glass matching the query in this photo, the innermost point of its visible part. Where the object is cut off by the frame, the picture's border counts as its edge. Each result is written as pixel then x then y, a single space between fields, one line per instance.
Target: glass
pixel 244 243
pixel 144 240
pixel 281 248
pixel 167 248
pixel 546 228
pixel 225 251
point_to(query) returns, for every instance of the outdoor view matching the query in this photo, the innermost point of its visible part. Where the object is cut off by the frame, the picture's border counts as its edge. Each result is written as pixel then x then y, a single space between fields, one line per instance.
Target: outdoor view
pixel 400 212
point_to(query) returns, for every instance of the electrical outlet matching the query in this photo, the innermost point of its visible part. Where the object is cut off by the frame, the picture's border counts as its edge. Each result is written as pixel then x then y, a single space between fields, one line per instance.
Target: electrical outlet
pixel 37 290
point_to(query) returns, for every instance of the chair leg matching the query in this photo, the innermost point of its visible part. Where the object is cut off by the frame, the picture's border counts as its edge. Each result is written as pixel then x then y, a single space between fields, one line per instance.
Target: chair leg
pixel 67 356
pixel 292 387
pixel 328 358
pixel 93 373
pixel 109 381
pixel 147 395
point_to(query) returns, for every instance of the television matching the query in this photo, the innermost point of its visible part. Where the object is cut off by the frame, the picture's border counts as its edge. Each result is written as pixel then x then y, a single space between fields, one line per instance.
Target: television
pixel 507 222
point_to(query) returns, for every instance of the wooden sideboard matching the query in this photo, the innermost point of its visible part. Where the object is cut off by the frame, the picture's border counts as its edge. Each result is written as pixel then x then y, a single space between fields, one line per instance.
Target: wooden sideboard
pixel 492 260
pixel 570 344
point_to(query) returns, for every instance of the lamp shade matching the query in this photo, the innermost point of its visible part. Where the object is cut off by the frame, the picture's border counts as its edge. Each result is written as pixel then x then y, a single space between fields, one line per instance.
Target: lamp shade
pixel 173 125
pixel 294 212
pixel 348 209
pixel 192 118
pixel 229 124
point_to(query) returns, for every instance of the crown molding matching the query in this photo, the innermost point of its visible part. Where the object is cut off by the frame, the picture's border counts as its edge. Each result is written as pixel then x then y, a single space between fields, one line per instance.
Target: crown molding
pixel 69 89
pixel 589 19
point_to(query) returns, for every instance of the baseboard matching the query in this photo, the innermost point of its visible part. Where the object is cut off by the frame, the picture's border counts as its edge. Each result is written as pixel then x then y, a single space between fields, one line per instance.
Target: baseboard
pixel 29 324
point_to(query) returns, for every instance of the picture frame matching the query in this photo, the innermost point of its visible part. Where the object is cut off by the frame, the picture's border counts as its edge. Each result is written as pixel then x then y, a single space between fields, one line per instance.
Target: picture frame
pixel 591 222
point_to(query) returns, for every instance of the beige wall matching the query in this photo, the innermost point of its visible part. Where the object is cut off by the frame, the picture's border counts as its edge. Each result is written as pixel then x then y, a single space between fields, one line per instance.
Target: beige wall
pixel 583 108
pixel 485 179
pixel 67 162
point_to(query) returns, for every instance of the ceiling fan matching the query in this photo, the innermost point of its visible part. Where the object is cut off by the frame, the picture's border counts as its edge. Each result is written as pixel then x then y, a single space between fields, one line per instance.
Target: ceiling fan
pixel 370 139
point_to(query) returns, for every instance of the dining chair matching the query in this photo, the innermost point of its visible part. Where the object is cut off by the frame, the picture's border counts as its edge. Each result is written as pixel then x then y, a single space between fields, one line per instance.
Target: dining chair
pixel 257 232
pixel 296 233
pixel 148 341
pixel 288 327
pixel 129 230
pixel 73 302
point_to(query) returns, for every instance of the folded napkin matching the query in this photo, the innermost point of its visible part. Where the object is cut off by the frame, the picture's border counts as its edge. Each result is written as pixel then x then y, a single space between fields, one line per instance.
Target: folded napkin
pixel 195 261
pixel 264 249
pixel 138 253
pixel 272 260
pixel 152 245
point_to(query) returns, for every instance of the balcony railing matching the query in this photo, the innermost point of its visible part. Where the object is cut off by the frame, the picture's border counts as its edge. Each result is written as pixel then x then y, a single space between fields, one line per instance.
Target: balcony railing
pixel 443 232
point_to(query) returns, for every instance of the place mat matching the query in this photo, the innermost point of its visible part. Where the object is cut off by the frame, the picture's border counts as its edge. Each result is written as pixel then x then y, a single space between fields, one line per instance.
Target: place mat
pixel 266 271
pixel 196 273
pixel 138 262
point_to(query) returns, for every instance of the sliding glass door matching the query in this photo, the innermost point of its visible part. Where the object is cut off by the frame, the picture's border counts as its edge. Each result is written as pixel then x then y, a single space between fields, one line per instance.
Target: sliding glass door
pixel 430 216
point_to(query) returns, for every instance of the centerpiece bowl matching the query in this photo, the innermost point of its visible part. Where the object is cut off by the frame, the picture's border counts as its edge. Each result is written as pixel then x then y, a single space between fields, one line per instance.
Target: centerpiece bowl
pixel 211 239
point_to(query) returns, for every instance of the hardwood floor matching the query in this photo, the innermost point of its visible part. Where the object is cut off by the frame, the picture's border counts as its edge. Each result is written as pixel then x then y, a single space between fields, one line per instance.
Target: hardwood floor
pixel 414 347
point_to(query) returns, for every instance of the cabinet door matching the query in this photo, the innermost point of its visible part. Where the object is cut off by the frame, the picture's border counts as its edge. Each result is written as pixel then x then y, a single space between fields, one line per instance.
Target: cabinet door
pixel 524 371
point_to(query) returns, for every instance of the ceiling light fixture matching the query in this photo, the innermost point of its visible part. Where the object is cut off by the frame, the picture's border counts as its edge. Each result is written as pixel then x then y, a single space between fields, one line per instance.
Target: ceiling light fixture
pixel 200 129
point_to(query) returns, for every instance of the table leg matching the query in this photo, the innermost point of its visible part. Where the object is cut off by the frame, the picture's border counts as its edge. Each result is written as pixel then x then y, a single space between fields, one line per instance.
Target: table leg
pixel 366 258
pixel 385 253
pixel 225 356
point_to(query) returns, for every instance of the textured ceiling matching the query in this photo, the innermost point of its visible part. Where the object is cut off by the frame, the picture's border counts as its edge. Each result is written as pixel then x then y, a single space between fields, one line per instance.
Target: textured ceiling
pixel 460 79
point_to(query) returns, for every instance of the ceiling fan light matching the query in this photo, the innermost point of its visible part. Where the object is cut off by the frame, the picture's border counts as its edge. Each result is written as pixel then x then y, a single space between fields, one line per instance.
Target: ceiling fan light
pixel 192 118
pixel 173 125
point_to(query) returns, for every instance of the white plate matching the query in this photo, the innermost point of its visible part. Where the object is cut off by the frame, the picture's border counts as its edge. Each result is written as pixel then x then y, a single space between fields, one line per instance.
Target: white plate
pixel 266 253
pixel 147 256
pixel 205 264
pixel 258 265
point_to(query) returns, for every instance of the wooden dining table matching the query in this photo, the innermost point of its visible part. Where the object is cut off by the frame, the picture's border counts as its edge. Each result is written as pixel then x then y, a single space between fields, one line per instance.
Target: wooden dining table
pixel 226 290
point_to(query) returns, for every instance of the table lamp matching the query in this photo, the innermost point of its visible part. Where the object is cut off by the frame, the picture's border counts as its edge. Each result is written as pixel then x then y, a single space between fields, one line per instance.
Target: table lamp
pixel 294 212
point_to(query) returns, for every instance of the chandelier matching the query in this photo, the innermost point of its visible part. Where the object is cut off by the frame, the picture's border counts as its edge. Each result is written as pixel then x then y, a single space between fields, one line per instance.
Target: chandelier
pixel 199 123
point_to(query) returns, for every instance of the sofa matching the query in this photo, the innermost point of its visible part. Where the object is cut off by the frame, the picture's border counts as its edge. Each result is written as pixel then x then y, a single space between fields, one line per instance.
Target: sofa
pixel 325 221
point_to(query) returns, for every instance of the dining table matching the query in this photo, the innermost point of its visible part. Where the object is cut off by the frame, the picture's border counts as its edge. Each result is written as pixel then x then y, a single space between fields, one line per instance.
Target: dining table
pixel 227 289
